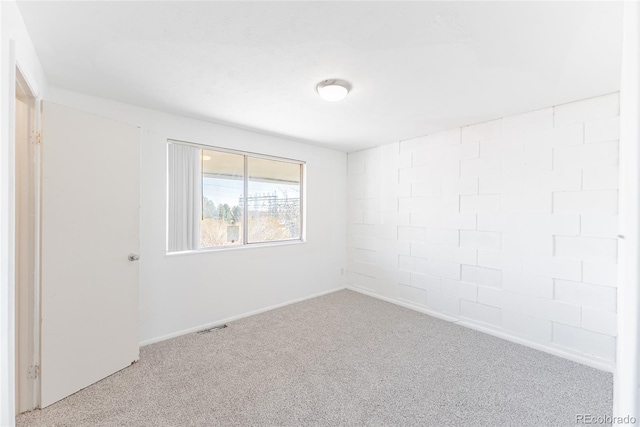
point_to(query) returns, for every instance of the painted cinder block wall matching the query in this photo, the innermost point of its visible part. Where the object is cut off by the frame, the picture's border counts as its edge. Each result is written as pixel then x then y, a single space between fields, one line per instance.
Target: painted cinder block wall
pixel 507 226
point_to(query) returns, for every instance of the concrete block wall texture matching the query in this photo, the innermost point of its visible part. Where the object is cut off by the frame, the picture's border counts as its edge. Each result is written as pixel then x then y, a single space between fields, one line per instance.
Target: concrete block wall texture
pixel 508 225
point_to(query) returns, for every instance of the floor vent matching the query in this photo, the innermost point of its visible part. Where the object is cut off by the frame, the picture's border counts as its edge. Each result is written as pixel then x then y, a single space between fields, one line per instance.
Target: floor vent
pixel 206 331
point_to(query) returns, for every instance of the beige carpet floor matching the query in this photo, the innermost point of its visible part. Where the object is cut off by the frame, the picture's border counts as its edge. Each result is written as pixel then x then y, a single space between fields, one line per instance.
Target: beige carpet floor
pixel 343 359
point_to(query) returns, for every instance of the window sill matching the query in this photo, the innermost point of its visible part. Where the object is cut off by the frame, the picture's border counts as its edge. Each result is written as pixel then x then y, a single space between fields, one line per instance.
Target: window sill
pixel 239 247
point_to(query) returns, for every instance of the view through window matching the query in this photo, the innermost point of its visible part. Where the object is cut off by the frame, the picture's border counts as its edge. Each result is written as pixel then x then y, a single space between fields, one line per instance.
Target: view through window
pixel 244 199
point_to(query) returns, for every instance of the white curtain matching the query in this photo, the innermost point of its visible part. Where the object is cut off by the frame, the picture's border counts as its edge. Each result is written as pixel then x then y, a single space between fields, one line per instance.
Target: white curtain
pixel 185 197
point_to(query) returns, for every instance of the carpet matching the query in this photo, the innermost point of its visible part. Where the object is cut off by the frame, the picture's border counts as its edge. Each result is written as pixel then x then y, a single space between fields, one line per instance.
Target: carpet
pixel 343 359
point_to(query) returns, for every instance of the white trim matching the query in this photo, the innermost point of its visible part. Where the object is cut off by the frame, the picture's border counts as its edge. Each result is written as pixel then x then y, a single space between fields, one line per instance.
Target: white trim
pixel 7 247
pixel 31 92
pixel 234 151
pixel 593 362
pixel 471 324
pixel 237 317
pixel 404 304
pixel 31 84
pixel 37 300
pixel 238 247
pixel 626 396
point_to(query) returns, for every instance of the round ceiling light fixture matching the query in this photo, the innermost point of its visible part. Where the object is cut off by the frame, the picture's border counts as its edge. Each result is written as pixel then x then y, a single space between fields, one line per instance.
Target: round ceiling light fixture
pixel 333 90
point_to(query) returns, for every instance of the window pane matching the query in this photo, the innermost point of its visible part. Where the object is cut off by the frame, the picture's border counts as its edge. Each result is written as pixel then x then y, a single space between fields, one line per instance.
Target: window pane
pixel 273 200
pixel 222 195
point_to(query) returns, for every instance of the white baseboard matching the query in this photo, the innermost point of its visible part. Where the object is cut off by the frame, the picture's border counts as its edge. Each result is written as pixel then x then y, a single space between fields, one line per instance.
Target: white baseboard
pixel 232 318
pixel 405 304
pixel 583 359
pixel 500 333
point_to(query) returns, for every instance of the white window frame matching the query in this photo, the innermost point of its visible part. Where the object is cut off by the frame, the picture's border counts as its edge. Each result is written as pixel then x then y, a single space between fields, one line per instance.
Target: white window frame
pixel 245 221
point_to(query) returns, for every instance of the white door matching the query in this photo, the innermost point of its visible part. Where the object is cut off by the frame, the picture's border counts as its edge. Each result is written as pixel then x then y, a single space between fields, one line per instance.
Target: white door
pixel 90 224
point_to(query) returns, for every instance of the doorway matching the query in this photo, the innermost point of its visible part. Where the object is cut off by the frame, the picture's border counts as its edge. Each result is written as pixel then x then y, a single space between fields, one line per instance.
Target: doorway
pixel 27 247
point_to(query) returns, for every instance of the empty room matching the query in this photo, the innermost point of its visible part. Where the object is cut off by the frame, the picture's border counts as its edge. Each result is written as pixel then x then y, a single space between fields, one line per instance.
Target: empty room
pixel 319 213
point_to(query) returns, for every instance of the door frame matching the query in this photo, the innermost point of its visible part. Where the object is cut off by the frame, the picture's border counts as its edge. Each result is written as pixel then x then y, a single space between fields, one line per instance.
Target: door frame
pixel 26 90
pixel 8 384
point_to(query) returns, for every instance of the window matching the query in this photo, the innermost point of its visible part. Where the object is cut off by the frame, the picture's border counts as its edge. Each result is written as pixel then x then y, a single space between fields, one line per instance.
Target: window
pixel 223 198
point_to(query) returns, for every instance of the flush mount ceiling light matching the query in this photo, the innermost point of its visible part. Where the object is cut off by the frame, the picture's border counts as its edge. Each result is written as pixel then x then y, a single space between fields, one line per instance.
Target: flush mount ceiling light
pixel 205 157
pixel 332 90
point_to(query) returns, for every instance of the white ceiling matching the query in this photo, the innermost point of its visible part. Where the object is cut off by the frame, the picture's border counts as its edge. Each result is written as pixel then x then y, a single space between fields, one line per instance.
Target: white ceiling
pixel 415 67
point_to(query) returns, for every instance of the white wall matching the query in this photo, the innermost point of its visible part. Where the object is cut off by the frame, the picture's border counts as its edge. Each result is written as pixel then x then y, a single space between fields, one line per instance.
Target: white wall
pixel 16 49
pixel 507 226
pixel 626 393
pixel 182 292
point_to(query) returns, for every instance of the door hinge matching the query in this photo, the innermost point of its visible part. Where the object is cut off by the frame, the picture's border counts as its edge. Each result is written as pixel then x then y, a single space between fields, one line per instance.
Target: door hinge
pixel 35 137
pixel 33 372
